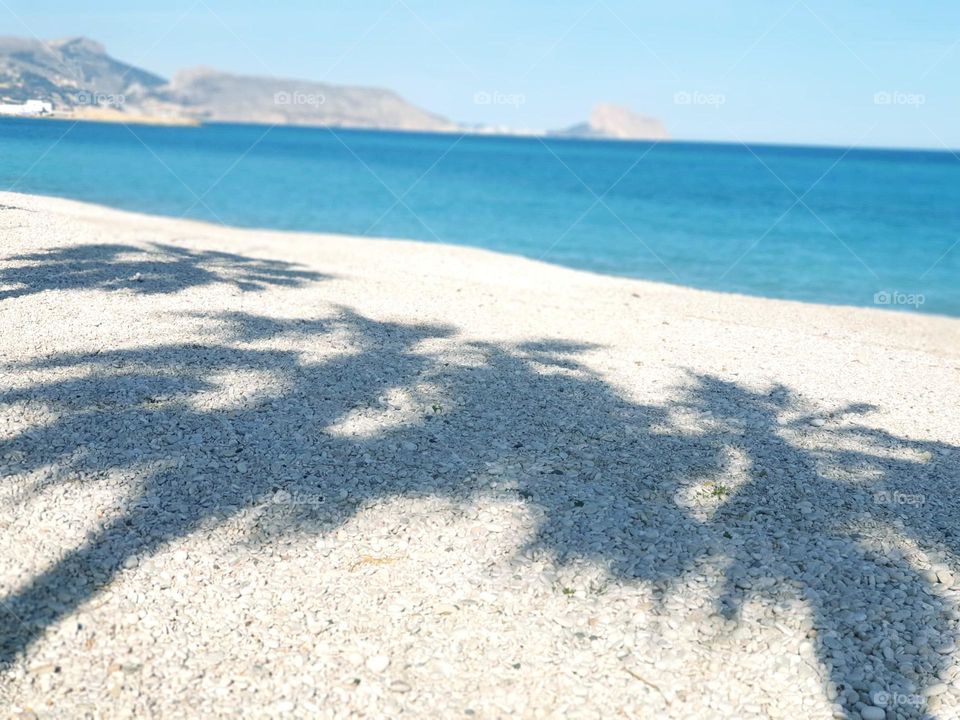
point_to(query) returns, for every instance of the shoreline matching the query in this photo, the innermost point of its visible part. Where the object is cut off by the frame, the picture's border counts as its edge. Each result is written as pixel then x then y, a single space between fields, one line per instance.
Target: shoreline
pixel 107 118
pixel 85 208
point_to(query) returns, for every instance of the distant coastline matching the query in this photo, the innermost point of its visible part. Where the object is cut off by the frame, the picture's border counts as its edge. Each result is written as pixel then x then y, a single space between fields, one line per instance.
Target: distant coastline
pixel 106 115
pixel 948 154
pixel 76 78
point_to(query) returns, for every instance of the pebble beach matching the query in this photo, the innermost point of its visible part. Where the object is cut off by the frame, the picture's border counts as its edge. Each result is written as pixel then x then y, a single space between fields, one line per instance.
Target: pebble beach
pixel 248 473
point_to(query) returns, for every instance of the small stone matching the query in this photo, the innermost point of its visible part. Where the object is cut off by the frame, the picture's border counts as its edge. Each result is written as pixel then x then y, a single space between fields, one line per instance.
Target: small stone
pixel 937 689
pixel 378 663
pixel 946 648
pixel 131 562
pixel 355 658
pixel 399 686
pixel 945 577
pixel 818 422
pixel 872 712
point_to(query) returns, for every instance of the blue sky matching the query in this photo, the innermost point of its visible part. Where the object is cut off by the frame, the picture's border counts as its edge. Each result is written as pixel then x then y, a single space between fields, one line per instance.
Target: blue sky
pixel 866 72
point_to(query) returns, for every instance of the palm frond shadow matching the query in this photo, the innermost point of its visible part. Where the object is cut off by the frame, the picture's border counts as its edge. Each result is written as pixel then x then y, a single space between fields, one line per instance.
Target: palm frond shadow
pixel 607 475
pixel 151 269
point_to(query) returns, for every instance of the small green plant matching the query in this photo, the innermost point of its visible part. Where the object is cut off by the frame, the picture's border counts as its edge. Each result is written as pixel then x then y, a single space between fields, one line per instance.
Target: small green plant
pixel 437 408
pixel 568 591
pixel 719 490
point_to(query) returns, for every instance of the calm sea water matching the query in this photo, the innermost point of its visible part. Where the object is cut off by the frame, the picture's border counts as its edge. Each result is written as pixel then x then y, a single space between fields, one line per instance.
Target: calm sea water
pixel 865 227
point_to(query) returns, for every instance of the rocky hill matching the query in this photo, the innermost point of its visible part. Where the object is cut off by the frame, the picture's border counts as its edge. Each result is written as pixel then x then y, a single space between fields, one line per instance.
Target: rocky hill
pixel 78 76
pixel 616 123
pixel 67 73
pixel 206 94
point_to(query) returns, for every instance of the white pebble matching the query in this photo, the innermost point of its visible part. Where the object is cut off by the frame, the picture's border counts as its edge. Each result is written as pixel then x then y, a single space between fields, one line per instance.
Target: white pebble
pixel 378 663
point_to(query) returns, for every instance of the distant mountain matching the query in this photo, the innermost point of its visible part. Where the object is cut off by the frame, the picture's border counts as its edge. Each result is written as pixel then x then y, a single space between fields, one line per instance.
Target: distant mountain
pixel 81 80
pixel 207 94
pixel 67 72
pixel 616 123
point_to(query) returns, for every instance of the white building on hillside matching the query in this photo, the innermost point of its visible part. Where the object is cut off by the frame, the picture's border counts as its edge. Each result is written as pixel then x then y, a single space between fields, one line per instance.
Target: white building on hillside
pixel 29 108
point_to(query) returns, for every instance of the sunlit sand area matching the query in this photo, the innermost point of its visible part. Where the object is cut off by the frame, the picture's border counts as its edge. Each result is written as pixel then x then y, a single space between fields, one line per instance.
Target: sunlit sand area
pixel 248 473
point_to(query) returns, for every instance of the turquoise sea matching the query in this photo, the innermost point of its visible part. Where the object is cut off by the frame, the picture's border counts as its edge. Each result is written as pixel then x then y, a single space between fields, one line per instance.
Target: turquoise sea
pixel 856 227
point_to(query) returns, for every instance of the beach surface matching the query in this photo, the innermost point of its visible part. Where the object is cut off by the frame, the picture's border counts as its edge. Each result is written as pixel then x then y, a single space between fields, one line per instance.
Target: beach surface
pixel 246 473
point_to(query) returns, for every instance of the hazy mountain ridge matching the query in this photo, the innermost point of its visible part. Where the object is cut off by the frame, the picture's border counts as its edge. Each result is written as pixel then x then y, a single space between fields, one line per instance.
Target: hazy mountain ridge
pixel 79 78
pixel 221 97
pixel 66 72
pixel 77 75
pixel 616 123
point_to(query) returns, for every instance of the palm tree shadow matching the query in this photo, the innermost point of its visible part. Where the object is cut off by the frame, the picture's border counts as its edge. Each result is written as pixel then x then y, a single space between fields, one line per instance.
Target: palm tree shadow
pixel 615 481
pixel 815 510
pixel 151 269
